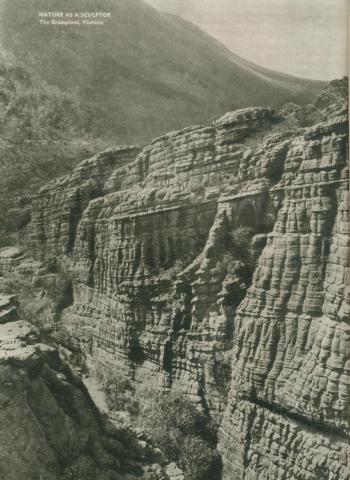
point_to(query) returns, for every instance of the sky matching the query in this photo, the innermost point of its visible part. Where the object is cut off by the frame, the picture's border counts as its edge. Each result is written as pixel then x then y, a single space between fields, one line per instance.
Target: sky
pixel 306 38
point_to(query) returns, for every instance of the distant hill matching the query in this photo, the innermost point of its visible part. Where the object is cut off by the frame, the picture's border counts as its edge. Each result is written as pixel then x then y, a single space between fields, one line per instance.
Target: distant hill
pixel 144 72
pixel 43 134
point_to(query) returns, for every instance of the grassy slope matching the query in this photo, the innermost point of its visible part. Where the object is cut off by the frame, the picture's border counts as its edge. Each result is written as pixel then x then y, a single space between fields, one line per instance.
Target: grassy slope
pixel 144 72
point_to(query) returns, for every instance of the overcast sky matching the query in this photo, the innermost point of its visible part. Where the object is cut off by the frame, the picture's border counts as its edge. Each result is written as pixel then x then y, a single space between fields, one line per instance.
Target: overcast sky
pixel 306 38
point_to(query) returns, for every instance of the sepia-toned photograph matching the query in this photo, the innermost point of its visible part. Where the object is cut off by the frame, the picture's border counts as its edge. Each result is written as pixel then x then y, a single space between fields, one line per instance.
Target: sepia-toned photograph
pixel 174 240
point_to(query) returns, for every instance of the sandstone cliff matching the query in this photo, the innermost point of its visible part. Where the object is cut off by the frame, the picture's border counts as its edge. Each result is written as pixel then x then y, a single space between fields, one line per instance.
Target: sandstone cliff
pixel 50 428
pixel 216 260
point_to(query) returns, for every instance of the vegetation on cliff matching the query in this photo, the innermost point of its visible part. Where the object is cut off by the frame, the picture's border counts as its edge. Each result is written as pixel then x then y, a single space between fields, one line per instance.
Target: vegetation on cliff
pixel 329 100
pixel 184 433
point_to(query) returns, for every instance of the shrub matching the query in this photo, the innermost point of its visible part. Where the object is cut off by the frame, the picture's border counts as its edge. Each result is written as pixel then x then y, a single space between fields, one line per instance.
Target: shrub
pixel 171 421
pixel 199 460
pixel 184 434
pixel 120 393
pixel 242 236
pixel 294 115
pixel 59 290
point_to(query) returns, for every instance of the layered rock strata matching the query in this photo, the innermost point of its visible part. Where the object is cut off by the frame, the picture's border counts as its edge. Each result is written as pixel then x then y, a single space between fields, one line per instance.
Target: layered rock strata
pixel 50 428
pixel 158 215
pixel 289 399
pixel 215 249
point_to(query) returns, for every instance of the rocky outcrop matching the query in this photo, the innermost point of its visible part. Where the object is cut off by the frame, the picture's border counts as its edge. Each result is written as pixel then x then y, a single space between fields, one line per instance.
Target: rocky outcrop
pixel 50 428
pixel 127 247
pixel 289 399
pixel 215 260
pixel 8 308
pixel 56 221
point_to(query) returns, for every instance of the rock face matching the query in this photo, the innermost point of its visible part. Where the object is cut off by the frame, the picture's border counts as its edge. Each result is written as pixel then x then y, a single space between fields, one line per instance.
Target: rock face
pixel 216 259
pixel 50 428
pixel 289 398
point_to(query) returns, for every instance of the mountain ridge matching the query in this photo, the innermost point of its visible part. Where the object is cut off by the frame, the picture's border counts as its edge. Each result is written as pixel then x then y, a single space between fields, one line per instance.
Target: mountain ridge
pixel 144 72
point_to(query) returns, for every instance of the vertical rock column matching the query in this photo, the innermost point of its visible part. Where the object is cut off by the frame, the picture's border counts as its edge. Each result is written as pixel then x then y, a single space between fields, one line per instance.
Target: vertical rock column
pixel 288 411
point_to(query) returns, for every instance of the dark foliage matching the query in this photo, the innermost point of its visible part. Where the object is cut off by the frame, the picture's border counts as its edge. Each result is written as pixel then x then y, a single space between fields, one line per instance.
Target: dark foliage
pixel 43 134
pixel 185 434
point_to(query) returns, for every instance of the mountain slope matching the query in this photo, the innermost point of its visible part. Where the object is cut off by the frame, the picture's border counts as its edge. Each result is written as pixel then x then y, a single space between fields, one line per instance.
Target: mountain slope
pixel 142 71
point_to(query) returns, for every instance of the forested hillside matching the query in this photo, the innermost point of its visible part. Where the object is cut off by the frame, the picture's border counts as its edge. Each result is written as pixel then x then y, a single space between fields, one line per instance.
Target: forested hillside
pixel 143 72
pixel 44 132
